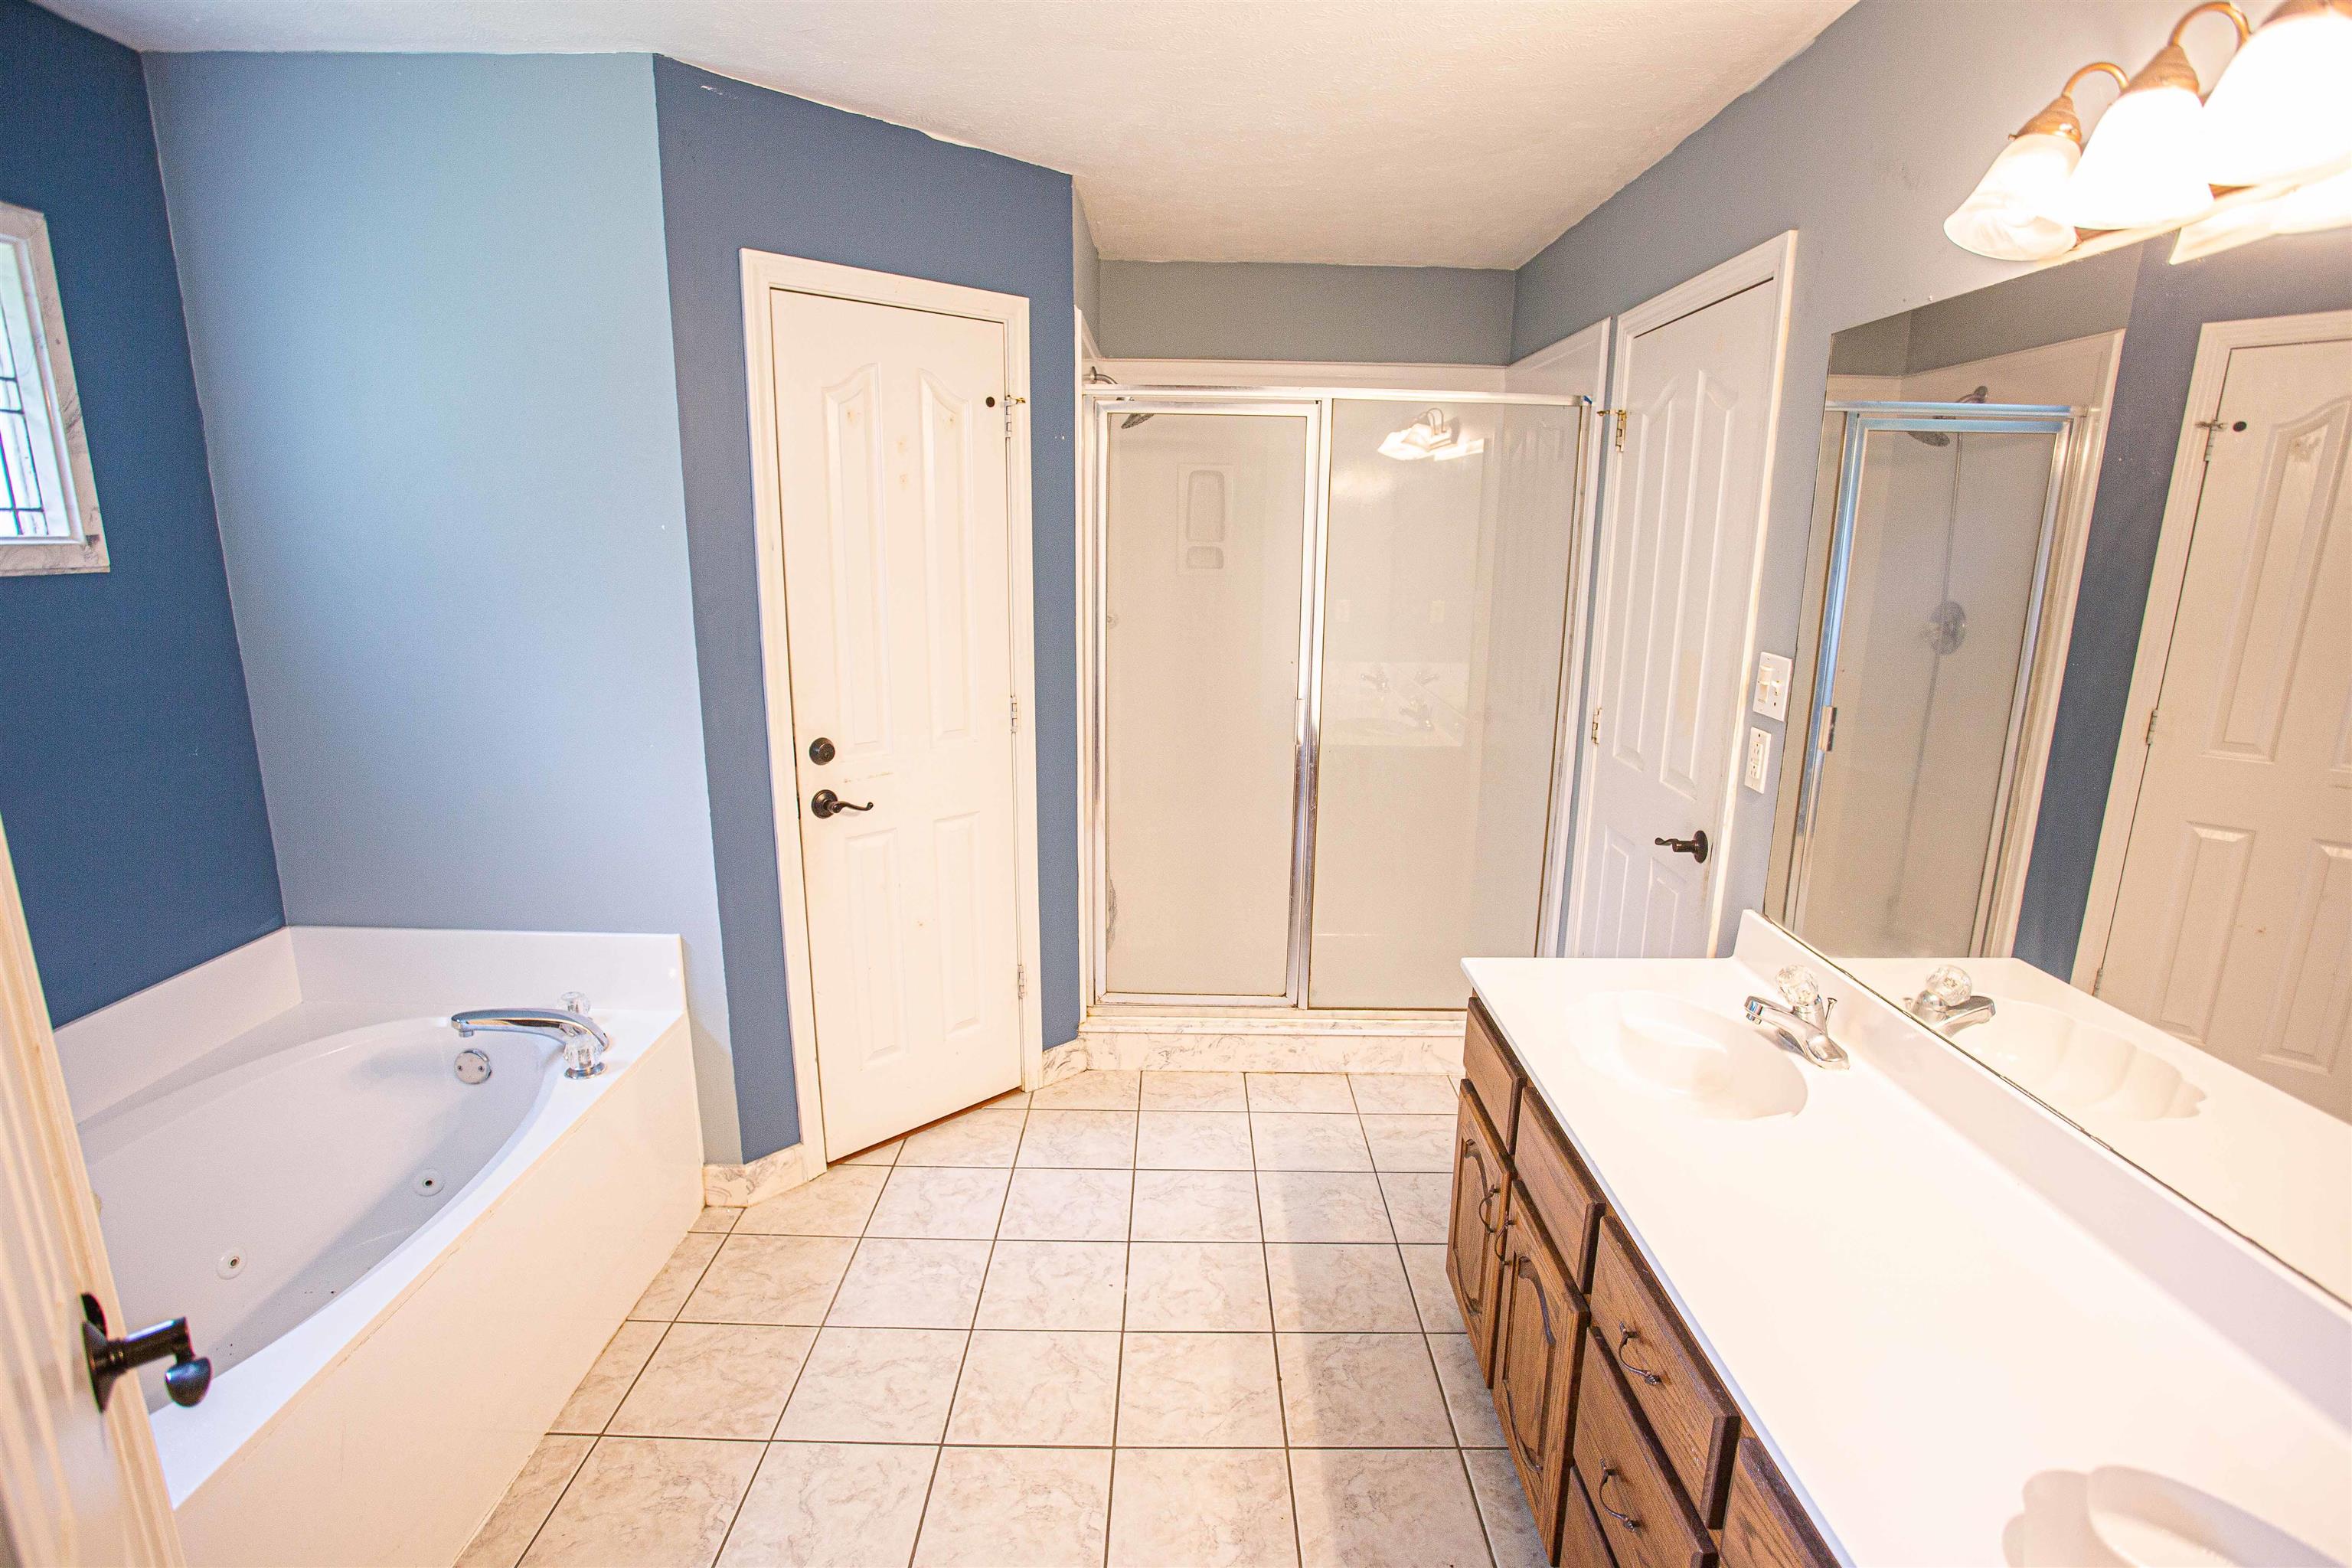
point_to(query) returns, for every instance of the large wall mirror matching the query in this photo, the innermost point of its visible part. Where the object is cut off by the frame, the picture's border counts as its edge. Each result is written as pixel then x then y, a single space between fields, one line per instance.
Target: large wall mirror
pixel 2070 772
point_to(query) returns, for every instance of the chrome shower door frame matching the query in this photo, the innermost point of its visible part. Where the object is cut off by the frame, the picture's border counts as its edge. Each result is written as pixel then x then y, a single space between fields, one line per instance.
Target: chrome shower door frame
pixel 1863 420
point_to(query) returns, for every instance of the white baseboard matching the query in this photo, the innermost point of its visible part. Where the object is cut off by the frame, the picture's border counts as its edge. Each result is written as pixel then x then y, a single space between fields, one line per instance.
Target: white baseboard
pixel 1230 1045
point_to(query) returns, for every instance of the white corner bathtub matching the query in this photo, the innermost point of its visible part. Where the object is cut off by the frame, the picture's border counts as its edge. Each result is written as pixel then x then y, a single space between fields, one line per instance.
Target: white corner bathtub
pixel 399 1276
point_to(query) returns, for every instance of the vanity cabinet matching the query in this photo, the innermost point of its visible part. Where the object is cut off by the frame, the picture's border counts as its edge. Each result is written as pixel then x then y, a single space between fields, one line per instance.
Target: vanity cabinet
pixel 1629 1448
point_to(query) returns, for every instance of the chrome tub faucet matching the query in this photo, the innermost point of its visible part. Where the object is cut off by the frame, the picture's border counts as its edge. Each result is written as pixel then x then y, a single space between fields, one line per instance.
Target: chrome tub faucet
pixel 585 1044
pixel 1801 1020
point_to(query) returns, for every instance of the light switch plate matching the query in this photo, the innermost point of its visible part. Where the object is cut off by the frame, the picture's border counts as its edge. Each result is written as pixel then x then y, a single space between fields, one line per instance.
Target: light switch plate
pixel 1773 672
pixel 1760 758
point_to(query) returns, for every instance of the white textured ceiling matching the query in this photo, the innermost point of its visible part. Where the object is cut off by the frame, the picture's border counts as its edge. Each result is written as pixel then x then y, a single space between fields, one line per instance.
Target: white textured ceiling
pixel 1422 133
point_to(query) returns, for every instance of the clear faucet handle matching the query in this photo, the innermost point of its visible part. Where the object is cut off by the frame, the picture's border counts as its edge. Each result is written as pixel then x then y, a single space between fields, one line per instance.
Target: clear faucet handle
pixel 575 1003
pixel 1799 987
pixel 1950 984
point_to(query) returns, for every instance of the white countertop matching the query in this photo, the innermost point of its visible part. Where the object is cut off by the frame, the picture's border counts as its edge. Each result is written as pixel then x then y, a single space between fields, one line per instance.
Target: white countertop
pixel 1912 1326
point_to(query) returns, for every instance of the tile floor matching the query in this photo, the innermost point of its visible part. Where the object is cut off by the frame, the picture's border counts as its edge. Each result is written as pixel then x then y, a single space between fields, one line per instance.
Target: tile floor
pixel 1164 1320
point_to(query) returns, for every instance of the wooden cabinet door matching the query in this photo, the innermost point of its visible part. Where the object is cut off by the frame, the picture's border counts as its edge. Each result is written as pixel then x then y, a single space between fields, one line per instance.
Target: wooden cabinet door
pixel 1471 1262
pixel 1539 1338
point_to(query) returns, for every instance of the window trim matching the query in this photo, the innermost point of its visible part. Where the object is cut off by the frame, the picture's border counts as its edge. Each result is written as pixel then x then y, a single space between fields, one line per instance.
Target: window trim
pixel 86 551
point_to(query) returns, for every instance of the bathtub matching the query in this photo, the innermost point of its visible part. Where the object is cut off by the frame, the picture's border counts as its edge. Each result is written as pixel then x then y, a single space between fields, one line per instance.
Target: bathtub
pixel 399 1276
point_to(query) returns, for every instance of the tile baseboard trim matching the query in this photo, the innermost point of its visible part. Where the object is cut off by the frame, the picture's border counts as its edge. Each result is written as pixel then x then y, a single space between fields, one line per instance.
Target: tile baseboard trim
pixel 739 1186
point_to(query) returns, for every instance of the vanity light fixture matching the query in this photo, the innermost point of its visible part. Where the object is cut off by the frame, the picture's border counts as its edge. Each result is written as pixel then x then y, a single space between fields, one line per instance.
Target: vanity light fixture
pixel 2007 215
pixel 2145 164
pixel 2284 107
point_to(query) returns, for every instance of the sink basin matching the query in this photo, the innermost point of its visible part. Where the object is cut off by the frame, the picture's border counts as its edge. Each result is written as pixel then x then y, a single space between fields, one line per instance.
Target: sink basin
pixel 2119 1516
pixel 1694 1057
pixel 2084 1070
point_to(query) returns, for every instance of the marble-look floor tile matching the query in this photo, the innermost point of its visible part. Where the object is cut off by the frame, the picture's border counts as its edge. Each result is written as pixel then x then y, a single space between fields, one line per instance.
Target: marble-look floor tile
pixel 1199 1391
pixel 787 1279
pixel 895 1284
pixel 1192 1508
pixel 1193 1140
pixel 1361 1391
pixel 1100 1140
pixel 875 1386
pixel 835 1204
pixel 651 1502
pixel 1055 1389
pixel 1325 1288
pixel 1405 1093
pixel 1510 1523
pixel 880 1154
pixel 714 1380
pixel 1046 1205
pixel 1421 1203
pixel 601 1391
pixel 1319 1206
pixel 675 1281
pixel 1433 1292
pixel 1198 1205
pixel 717 1218
pixel 1467 1397
pixel 1054 1285
pixel 1091 1091
pixel 982 1137
pixel 500 1543
pixel 1037 1508
pixel 1308 1141
pixel 1410 1142
pixel 831 1505
pixel 1384 1509
pixel 941 1203
pixel 1195 1092
pixel 1199 1287
pixel 1299 1091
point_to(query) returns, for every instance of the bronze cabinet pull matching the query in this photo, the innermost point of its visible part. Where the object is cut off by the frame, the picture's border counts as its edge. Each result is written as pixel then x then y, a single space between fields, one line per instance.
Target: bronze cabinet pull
pixel 1626 1336
pixel 1600 1499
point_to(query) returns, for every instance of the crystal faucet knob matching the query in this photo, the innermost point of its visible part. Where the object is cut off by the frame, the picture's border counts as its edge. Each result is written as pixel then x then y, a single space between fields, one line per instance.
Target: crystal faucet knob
pixel 1950 984
pixel 574 1002
pixel 1799 988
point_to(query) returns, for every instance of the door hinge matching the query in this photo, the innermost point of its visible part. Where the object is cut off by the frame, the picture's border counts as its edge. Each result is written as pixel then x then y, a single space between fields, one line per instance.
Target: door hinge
pixel 1011 403
pixel 1020 980
pixel 2098 978
pixel 1829 731
pixel 1016 715
pixel 1621 429
pixel 2147 736
pixel 1596 726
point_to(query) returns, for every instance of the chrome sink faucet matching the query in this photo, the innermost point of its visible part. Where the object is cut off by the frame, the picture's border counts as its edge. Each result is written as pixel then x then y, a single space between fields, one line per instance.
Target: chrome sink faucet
pixel 1801 1021
pixel 585 1044
pixel 1949 1002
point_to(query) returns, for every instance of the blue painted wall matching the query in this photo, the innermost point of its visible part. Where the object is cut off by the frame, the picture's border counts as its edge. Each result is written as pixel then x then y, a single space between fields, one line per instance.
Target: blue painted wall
pixel 430 317
pixel 128 780
pixel 742 166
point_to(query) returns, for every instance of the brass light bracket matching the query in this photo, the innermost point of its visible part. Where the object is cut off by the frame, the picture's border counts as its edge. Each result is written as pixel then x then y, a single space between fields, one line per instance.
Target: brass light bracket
pixel 2060 117
pixel 2171 68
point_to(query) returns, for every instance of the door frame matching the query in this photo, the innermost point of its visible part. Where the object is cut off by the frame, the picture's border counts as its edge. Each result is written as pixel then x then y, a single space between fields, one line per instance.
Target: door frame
pixel 2216 341
pixel 764 272
pixel 1768 265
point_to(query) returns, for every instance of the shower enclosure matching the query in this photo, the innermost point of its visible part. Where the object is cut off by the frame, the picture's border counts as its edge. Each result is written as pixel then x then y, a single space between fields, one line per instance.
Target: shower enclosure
pixel 1326 641
pixel 1938 570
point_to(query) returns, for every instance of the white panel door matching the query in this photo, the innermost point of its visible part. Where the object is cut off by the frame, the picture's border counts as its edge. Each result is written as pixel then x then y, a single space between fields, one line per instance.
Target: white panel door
pixel 1670 624
pixel 891 430
pixel 2233 922
pixel 76 1486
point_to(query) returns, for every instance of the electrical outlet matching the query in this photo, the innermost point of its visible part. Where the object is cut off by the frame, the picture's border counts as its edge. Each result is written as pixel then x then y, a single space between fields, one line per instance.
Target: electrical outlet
pixel 1760 758
pixel 1773 672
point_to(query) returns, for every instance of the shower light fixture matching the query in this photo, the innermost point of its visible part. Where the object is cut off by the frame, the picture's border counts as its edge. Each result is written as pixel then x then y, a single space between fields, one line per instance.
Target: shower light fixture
pixel 2279 126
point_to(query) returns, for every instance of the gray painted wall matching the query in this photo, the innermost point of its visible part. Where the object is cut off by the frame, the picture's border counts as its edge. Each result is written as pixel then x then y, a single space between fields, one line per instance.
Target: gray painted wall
pixel 1862 145
pixel 1283 311
pixel 430 320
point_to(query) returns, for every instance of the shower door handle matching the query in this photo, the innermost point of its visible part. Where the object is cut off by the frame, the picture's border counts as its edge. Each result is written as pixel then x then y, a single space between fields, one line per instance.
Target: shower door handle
pixel 1695 846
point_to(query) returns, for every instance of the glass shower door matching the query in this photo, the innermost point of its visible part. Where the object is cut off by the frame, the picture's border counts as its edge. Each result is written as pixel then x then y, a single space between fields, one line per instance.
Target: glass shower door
pixel 1445 603
pixel 1205 551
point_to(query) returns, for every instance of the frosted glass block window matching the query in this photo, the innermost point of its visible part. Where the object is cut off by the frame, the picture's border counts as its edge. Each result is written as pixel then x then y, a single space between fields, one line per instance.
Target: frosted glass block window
pixel 49 507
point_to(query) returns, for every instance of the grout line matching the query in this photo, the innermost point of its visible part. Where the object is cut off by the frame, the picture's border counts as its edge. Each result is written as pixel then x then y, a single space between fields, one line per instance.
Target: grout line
pixel 1274 1345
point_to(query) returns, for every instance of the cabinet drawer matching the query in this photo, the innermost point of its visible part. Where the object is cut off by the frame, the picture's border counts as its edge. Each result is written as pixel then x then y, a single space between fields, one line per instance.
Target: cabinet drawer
pixel 1694 1421
pixel 1763 1524
pixel 1564 1193
pixel 1486 1063
pixel 1539 1342
pixel 1581 1544
pixel 1473 1263
pixel 1641 1509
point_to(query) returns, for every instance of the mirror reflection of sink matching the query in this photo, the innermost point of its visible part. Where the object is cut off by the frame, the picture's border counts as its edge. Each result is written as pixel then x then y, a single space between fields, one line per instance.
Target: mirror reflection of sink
pixel 1708 1063
pixel 2079 1068
pixel 2118 1516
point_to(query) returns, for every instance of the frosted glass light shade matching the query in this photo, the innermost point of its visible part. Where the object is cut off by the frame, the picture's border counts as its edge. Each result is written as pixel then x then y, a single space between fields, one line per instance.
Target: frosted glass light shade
pixel 2323 203
pixel 2007 215
pixel 2145 166
pixel 2284 106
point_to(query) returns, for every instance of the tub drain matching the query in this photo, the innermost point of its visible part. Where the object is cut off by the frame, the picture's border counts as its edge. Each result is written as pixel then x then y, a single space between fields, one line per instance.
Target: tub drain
pixel 427 1183
pixel 229 1264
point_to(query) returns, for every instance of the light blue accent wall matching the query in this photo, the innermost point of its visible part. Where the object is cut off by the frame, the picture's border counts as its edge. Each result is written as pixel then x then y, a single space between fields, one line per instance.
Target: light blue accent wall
pixel 1299 311
pixel 429 310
